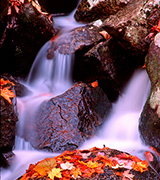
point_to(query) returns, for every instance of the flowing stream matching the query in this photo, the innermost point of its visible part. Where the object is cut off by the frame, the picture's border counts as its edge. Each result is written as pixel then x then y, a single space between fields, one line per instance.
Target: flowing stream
pixel 50 78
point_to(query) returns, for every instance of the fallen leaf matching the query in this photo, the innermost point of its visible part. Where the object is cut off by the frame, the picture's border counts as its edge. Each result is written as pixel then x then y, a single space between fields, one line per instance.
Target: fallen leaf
pixel 105 34
pixel 67 165
pixel 128 175
pixel 149 156
pixel 75 172
pixel 7 94
pixel 44 166
pixel 38 7
pixel 55 172
pixel 140 166
pixel 94 84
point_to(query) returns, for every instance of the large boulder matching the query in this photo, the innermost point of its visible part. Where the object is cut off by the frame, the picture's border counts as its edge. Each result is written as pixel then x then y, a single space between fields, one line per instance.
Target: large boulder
pixel 89 11
pixel 91 164
pixel 150 118
pixel 66 121
pixel 22 37
pixel 79 39
pixel 9 117
pixel 131 25
pixel 108 63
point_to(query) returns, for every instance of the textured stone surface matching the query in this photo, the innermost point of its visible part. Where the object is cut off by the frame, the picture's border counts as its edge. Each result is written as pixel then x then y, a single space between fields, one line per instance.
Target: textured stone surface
pixel 150 118
pixel 66 121
pixel 108 63
pixel 91 10
pixel 81 38
pixel 130 26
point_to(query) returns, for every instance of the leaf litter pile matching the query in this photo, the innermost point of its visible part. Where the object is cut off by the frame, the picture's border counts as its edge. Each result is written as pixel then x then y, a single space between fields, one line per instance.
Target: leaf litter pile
pixel 94 163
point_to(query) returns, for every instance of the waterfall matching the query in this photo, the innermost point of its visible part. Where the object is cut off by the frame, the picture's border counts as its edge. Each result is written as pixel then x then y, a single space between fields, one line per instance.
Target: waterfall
pixel 120 131
pixel 49 78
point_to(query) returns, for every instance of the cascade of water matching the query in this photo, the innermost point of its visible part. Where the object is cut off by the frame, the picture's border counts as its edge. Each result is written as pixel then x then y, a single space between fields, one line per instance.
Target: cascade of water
pixel 120 130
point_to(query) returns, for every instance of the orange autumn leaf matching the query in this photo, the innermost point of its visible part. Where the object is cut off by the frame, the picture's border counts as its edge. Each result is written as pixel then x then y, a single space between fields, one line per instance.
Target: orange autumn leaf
pixel 5 82
pixel 149 156
pixel 75 172
pixel 55 172
pixel 140 166
pixel 7 94
pixel 44 166
pixel 105 34
pixel 94 84
pixel 144 66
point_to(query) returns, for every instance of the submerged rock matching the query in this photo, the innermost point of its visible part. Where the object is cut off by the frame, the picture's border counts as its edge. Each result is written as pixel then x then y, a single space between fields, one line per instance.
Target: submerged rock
pixel 150 118
pixel 130 26
pixel 91 10
pixel 66 121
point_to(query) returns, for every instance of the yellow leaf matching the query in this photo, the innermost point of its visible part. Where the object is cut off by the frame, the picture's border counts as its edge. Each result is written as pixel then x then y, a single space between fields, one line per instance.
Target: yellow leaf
pixel 7 94
pixel 44 166
pixel 38 7
pixel 91 164
pixel 55 172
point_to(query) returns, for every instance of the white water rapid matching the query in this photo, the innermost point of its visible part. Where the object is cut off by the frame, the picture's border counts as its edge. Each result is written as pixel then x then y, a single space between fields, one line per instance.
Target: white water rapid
pixel 49 78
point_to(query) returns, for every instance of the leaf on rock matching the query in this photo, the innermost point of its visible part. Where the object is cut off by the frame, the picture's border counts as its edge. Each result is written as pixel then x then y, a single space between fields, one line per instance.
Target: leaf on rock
pixel 75 172
pixel 55 172
pixel 149 156
pixel 7 94
pixel 140 166
pixel 94 84
pixel 44 166
pixel 67 165
pixel 105 35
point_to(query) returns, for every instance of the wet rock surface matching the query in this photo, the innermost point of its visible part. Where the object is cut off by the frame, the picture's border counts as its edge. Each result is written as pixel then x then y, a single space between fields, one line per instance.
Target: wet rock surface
pixel 21 39
pixel 98 157
pixel 89 11
pixel 9 117
pixel 150 119
pixel 108 63
pixel 20 89
pixel 66 121
pixel 82 38
pixel 130 25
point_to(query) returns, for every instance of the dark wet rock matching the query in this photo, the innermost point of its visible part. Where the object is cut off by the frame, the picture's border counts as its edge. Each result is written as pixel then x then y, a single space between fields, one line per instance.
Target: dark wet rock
pixel 24 37
pixel 130 26
pixel 82 38
pixel 108 63
pixel 66 121
pixel 89 11
pixel 60 6
pixel 109 173
pixel 150 118
pixel 20 89
pixel 9 117
pixel 6 159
